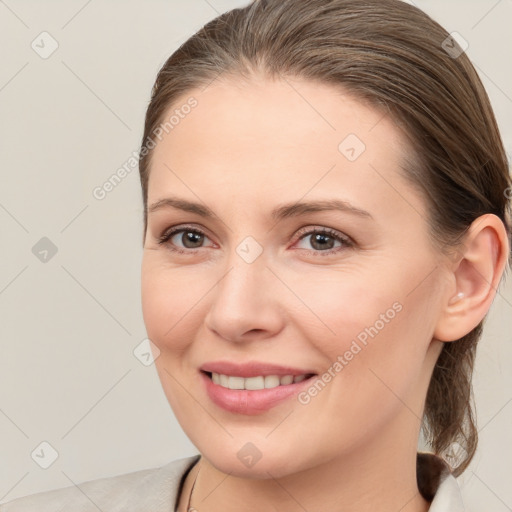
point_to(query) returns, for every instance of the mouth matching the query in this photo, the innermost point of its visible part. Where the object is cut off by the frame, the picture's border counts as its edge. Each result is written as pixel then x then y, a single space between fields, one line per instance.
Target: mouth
pixel 252 395
pixel 256 383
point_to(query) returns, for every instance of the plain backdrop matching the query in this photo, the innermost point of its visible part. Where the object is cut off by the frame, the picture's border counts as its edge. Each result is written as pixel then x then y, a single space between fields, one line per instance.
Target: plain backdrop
pixel 70 263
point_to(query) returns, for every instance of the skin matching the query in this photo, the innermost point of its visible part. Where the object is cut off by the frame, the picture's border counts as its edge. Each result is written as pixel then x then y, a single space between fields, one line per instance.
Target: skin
pixel 246 148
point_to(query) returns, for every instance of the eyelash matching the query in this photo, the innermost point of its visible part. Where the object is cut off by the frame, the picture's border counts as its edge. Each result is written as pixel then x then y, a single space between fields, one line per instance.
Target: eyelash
pixel 302 233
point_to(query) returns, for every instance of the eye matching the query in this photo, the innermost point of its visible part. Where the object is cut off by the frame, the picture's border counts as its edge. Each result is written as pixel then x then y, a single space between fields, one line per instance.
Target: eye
pixel 189 238
pixel 324 240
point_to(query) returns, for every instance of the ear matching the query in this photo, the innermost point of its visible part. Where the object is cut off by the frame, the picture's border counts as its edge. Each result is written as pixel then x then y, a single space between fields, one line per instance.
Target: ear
pixel 475 272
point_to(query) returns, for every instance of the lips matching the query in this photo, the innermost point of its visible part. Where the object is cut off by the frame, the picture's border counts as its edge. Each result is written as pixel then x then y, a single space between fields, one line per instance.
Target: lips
pixel 252 401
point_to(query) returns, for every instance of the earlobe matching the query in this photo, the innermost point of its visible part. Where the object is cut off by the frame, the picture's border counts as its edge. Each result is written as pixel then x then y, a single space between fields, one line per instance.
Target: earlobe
pixel 476 276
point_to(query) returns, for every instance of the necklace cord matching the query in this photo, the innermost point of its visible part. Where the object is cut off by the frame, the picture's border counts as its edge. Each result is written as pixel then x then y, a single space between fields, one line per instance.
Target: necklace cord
pixel 189 506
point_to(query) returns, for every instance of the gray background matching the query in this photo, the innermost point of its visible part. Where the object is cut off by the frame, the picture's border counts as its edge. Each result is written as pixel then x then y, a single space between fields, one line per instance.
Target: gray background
pixel 69 325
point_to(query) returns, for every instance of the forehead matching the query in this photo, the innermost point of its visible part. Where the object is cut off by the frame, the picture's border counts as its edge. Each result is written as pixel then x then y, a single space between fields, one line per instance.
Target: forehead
pixel 262 139
pixel 279 114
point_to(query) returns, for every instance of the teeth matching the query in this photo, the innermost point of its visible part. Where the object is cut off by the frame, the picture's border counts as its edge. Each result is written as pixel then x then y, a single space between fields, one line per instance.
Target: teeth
pixel 236 383
pixel 255 383
pixel 288 379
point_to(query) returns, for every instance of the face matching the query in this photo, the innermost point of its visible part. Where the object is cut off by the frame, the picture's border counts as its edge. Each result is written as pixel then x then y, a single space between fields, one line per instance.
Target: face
pixel 348 288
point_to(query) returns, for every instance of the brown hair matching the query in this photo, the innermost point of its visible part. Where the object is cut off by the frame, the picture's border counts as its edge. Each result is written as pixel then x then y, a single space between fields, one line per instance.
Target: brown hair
pixel 394 57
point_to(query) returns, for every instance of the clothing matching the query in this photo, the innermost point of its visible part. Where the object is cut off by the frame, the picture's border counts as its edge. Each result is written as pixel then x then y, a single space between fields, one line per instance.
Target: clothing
pixel 158 490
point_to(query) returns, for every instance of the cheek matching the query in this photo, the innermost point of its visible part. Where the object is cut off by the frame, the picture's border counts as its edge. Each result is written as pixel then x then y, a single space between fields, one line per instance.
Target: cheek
pixel 339 306
pixel 171 303
pixel 372 331
pixel 170 309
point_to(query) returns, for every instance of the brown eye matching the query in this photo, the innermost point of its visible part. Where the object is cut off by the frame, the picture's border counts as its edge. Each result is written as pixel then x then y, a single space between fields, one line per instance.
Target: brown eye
pixel 189 239
pixel 324 241
pixel 321 241
pixel 183 239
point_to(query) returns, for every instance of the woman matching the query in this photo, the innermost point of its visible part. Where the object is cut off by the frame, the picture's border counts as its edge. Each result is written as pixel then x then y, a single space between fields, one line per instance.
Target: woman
pixel 326 226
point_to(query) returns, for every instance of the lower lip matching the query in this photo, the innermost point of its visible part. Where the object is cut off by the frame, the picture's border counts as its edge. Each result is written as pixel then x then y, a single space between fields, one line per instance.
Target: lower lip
pixel 251 402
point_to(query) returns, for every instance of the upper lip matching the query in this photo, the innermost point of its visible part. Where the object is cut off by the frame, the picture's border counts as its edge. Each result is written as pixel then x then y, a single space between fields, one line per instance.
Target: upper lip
pixel 252 369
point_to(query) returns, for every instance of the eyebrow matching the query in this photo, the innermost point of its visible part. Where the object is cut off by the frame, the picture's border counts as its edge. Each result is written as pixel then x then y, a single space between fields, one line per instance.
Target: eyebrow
pixel 280 212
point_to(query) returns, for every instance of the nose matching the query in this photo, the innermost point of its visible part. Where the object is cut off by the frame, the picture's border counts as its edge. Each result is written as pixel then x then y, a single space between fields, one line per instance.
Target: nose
pixel 245 302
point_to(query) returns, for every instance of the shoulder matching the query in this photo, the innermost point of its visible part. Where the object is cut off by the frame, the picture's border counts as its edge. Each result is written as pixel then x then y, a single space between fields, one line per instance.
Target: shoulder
pixel 154 489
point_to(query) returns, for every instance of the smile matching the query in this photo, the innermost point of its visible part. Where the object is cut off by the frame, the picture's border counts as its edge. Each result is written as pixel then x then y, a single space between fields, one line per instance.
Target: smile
pixel 255 383
pixel 255 394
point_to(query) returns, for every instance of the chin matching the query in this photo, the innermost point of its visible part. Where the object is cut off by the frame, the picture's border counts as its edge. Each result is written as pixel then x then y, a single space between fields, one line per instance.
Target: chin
pixel 250 462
